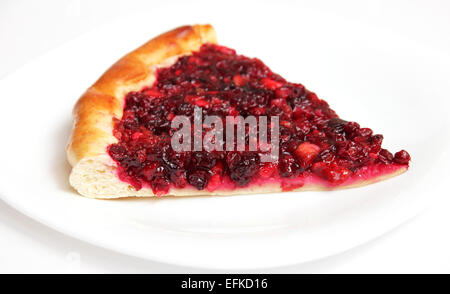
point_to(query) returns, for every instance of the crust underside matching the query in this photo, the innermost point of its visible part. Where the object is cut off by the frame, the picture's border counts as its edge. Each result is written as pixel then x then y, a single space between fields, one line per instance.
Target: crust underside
pixel 101 174
pixel 94 173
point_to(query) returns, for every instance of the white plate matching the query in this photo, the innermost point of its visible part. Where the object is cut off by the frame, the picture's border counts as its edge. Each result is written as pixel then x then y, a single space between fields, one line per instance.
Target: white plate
pixel 381 80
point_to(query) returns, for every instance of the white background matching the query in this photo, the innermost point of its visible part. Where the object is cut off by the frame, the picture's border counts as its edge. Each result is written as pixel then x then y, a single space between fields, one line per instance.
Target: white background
pixel 31 28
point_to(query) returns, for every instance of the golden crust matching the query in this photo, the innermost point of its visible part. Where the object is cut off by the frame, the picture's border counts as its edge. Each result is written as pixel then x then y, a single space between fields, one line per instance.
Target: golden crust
pixel 93 113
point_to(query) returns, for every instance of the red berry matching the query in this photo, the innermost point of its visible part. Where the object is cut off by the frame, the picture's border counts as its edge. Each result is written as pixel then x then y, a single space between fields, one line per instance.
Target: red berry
pixel 267 170
pixel 214 182
pixel 306 153
pixel 271 84
pixel 239 80
pixel 402 157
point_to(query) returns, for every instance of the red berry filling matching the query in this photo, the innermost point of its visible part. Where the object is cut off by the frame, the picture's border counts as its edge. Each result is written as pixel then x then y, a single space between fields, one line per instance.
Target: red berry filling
pixel 315 145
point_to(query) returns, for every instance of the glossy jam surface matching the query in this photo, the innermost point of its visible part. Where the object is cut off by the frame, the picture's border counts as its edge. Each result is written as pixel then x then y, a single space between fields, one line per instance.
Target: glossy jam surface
pixel 314 142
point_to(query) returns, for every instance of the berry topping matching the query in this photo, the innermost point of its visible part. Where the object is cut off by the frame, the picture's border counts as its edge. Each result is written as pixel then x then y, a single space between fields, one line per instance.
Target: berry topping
pixel 313 141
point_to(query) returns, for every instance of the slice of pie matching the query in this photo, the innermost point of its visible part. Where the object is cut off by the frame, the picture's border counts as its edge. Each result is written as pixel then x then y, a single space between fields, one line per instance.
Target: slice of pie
pixel 120 145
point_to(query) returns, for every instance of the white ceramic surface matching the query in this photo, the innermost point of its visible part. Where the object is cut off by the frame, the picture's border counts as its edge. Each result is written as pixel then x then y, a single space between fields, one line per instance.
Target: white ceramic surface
pixel 381 80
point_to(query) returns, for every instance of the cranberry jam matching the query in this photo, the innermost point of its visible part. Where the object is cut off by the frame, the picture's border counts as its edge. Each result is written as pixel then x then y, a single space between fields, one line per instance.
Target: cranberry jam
pixel 315 145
